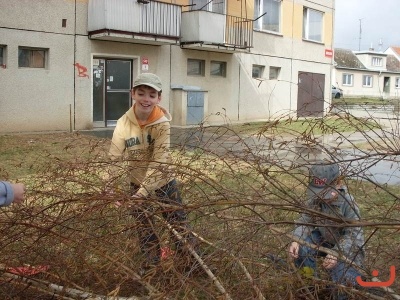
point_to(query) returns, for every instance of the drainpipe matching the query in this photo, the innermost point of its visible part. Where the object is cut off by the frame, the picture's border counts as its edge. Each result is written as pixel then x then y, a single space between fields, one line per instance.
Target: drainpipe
pixel 170 77
pixel 72 127
pixel 291 63
pixel 238 108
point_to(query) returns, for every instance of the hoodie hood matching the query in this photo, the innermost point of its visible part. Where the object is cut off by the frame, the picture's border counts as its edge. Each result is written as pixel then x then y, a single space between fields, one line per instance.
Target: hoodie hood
pixel 158 115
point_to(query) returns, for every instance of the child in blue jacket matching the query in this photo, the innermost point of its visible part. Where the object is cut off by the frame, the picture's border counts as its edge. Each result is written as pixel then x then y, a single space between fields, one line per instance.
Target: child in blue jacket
pixel 11 193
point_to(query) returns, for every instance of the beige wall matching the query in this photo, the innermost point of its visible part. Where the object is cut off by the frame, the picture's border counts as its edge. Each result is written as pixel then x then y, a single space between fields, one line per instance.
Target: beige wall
pixel 44 15
pixel 221 91
pixel 34 99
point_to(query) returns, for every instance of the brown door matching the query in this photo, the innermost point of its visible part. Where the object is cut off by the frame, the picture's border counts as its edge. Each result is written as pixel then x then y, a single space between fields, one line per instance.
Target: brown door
pixel 310 96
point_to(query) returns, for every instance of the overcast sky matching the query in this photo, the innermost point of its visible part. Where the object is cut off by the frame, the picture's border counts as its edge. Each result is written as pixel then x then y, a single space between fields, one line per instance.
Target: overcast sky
pixel 380 20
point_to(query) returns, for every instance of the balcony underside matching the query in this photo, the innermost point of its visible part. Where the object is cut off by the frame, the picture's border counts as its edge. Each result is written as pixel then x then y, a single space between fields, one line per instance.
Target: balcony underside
pixel 131 37
pixel 225 48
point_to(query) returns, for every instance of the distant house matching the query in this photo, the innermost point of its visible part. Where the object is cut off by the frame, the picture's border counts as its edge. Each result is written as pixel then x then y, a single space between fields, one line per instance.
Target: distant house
pixel 367 73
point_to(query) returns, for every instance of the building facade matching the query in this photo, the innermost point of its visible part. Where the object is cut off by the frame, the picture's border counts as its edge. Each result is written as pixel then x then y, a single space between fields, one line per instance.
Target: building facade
pixel 367 73
pixel 70 64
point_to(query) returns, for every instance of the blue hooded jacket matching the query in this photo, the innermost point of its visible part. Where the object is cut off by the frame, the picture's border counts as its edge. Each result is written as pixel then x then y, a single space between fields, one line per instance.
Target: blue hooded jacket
pixel 6 193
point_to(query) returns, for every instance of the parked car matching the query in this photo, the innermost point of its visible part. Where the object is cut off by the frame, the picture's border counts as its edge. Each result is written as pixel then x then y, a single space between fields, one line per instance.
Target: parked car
pixel 336 92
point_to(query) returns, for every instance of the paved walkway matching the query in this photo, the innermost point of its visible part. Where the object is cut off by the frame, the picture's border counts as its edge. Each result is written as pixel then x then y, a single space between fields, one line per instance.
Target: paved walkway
pixel 290 151
pixel 215 138
pixel 222 141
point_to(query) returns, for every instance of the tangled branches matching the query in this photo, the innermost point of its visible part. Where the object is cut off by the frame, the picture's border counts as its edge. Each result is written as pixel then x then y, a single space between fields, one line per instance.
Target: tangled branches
pixel 242 186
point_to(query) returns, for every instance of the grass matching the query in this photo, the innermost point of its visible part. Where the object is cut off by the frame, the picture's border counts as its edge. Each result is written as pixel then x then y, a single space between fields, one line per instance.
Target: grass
pixel 361 101
pixel 22 154
pixel 309 126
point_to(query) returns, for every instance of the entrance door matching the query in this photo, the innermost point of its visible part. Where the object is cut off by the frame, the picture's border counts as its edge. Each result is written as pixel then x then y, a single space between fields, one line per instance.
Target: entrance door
pixel 111 90
pixel 310 96
pixel 386 87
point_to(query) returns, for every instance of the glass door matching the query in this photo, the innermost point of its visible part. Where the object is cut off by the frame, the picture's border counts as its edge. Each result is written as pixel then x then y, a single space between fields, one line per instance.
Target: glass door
pixel 118 85
pixel 111 90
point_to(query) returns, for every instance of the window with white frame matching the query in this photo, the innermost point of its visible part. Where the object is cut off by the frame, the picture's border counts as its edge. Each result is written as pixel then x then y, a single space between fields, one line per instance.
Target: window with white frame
pixel 32 57
pixel 397 82
pixel 377 61
pixel 196 67
pixel 312 24
pixel 367 80
pixel 218 68
pixel 257 71
pixel 274 72
pixel 213 6
pixel 270 10
pixel 347 79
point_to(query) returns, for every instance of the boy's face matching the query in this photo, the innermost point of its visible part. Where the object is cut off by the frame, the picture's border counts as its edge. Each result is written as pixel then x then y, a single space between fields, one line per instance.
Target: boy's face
pixel 333 194
pixel 146 98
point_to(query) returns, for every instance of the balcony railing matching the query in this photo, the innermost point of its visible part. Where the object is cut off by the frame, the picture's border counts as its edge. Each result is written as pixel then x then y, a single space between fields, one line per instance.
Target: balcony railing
pixel 134 20
pixel 239 32
pixel 218 30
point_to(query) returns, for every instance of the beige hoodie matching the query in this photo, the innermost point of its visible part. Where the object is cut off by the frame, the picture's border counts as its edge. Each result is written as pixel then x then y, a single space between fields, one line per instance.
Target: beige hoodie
pixel 146 149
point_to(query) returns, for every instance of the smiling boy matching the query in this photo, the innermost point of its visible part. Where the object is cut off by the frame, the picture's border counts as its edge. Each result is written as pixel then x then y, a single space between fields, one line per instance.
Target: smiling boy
pixel 143 133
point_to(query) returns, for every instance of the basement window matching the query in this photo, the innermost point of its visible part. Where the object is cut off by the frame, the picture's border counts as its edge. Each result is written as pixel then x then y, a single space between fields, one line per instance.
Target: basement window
pixel 274 72
pixel 2 54
pixel 218 68
pixel 258 71
pixel 196 67
pixel 32 57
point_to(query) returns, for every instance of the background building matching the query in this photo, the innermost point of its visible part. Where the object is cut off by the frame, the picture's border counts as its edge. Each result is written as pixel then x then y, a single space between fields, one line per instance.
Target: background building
pixel 69 64
pixel 367 73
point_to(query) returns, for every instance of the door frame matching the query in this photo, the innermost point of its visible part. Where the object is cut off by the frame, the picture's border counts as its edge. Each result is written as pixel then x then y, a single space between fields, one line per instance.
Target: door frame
pixel 135 62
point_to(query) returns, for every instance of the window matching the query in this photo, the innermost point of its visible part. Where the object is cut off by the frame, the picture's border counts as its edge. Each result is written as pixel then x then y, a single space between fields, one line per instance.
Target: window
pixel 2 54
pixel 367 80
pixel 397 82
pixel 31 57
pixel 258 71
pixel 213 6
pixel 274 72
pixel 218 68
pixel 195 67
pixel 312 24
pixel 377 61
pixel 347 79
pixel 272 15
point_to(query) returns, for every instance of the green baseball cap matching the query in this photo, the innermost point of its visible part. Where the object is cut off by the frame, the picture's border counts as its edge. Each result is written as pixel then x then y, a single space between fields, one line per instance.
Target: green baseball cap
pixel 149 79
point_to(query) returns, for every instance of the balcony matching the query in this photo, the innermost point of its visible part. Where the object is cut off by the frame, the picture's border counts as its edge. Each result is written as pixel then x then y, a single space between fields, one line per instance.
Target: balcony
pixel 205 30
pixel 144 22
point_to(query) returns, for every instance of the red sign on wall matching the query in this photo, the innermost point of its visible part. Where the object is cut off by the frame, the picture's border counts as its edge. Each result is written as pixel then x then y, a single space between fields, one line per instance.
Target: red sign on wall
pixel 328 52
pixel 145 64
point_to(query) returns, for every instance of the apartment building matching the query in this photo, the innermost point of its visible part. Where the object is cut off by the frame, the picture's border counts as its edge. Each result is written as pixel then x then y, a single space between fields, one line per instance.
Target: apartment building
pixel 70 64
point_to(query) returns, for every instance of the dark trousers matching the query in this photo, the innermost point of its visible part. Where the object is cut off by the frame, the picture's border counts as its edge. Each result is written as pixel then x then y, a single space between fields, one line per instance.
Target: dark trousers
pixel 175 215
